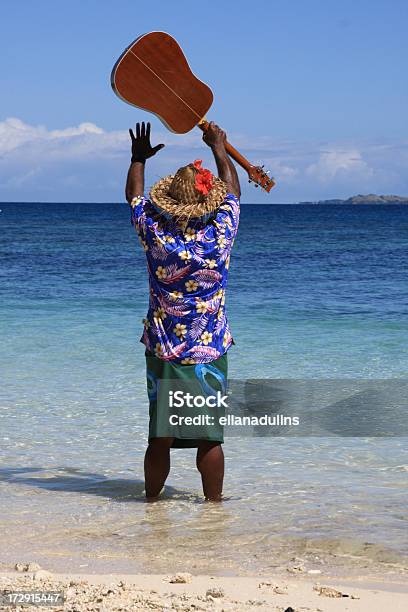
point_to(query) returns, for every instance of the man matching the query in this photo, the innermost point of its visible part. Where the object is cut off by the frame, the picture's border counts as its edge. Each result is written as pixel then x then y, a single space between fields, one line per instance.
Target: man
pixel 187 229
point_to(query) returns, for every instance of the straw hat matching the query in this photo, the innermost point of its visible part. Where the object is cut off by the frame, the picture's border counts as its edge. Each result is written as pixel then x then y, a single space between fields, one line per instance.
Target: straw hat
pixel 192 192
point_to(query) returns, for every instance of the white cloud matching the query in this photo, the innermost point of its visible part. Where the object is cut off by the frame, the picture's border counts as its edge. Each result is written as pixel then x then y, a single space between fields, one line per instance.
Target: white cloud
pixel 336 162
pixel 17 137
pixel 87 163
pixel 14 133
pixel 83 128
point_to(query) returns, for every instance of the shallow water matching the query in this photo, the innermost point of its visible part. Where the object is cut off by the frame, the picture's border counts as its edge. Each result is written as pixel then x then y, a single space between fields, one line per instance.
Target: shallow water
pixel 315 292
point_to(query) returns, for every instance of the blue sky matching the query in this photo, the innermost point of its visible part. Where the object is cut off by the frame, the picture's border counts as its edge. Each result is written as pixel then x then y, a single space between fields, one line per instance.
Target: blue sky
pixel 317 90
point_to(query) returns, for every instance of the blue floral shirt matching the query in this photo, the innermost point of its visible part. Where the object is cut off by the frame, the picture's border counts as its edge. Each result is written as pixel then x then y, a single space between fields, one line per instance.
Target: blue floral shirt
pixel 188 271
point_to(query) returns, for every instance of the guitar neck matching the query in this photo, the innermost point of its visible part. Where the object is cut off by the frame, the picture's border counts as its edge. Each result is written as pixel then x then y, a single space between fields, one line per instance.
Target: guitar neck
pixel 232 152
pixel 256 174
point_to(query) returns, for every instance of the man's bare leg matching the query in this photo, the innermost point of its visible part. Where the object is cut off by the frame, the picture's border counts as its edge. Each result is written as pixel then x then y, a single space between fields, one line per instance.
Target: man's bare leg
pixel 210 464
pixel 156 465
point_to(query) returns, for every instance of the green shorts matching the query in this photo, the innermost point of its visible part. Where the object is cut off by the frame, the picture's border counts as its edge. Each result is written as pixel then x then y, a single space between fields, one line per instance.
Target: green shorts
pixel 193 421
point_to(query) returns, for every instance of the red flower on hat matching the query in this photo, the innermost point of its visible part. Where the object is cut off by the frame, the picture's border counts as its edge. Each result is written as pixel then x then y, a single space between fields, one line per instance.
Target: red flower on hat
pixel 203 179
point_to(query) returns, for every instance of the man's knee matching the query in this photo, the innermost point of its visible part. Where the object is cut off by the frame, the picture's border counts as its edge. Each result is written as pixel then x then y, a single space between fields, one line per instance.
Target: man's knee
pixel 208 451
pixel 160 444
pixel 206 445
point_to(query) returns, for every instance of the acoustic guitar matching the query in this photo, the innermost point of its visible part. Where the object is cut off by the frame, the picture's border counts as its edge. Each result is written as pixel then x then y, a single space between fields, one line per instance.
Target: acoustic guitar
pixel 154 75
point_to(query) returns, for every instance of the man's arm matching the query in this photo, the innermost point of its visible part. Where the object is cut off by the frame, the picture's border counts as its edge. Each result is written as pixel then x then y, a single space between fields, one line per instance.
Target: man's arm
pixel 215 138
pixel 135 180
pixel 141 150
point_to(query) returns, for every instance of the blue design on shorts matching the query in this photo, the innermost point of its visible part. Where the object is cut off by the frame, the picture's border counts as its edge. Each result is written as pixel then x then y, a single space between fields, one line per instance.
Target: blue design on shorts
pixel 151 385
pixel 204 371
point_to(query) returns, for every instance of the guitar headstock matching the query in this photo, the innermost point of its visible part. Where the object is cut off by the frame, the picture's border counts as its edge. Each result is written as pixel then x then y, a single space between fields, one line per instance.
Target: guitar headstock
pixel 258 176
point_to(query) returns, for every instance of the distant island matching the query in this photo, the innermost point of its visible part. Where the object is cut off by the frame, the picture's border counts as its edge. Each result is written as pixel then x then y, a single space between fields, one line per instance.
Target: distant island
pixel 371 198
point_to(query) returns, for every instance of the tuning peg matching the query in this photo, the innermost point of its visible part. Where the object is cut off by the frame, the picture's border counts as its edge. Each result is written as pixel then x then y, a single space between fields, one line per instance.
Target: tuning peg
pixel 249 181
pixel 256 185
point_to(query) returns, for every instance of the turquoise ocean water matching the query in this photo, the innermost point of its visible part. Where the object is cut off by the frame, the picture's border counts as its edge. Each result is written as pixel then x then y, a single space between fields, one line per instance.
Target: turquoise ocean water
pixel 314 292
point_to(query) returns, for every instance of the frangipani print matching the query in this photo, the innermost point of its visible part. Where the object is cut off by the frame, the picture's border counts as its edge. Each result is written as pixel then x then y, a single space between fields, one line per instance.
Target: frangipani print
pixel 188 271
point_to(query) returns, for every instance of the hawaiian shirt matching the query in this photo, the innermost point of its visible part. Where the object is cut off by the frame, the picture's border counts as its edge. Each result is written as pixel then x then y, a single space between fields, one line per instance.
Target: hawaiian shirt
pixel 188 271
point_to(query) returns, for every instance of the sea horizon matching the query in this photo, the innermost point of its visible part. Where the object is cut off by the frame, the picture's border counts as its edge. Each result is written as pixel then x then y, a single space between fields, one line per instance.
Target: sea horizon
pixel 327 202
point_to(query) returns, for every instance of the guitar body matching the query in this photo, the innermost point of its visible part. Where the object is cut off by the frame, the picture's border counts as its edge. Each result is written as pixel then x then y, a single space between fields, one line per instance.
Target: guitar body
pixel 153 74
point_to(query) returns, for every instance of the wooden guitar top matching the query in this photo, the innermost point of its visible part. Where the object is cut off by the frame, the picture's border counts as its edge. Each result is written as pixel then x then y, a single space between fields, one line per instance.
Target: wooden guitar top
pixel 153 74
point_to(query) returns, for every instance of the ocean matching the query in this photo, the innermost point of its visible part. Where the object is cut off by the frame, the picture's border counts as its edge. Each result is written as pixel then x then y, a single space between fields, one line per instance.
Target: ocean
pixel 315 292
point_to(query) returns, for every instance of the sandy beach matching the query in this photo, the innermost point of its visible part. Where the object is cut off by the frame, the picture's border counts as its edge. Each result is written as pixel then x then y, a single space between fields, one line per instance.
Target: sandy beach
pixel 183 591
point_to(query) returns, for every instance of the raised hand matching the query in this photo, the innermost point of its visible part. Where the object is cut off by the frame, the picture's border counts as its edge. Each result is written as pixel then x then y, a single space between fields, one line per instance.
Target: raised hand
pixel 141 147
pixel 214 136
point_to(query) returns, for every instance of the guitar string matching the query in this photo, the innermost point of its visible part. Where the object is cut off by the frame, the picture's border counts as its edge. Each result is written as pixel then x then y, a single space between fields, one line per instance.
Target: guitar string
pixel 164 83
